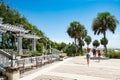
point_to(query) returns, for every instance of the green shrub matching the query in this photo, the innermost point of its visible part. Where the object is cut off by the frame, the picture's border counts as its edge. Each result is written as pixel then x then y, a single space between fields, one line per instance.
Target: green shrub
pixel 113 53
pixel 70 50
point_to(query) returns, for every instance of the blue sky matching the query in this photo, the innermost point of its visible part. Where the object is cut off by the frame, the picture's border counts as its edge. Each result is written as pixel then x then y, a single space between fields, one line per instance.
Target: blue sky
pixel 54 16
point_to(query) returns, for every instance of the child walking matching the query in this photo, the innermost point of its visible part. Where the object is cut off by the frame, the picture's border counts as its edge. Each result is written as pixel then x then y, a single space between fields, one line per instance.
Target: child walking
pixel 88 56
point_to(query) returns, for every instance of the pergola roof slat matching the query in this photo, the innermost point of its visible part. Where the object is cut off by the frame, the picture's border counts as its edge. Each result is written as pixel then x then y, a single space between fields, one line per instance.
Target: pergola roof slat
pixel 12 28
pixel 8 27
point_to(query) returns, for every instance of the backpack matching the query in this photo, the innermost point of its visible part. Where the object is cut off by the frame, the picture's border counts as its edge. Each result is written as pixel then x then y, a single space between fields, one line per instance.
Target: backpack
pixel 94 50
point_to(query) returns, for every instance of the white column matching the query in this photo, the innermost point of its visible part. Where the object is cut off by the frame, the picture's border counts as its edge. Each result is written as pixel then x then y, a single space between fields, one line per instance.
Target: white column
pixel 34 44
pixel 20 51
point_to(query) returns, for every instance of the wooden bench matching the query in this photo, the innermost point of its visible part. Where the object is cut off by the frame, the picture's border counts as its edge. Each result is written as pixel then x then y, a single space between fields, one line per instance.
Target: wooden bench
pixel 44 59
pixel 39 61
pixel 20 64
pixel 25 63
pixel 29 63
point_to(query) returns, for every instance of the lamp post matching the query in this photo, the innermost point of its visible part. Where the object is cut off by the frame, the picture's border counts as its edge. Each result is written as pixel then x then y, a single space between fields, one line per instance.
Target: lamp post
pixel 46 46
pixel 50 48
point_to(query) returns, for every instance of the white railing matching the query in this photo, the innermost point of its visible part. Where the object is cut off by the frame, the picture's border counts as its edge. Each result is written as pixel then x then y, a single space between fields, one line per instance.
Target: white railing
pixel 26 63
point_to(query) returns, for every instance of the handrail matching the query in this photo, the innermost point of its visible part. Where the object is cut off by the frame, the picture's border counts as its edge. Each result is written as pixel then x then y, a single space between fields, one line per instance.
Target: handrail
pixel 5 54
pixel 6 61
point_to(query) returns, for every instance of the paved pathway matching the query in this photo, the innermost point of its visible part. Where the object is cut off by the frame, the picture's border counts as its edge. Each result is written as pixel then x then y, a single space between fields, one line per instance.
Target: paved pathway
pixel 77 69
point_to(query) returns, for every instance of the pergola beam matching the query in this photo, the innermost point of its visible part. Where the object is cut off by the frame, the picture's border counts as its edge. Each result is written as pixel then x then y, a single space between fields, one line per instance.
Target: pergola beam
pixel 31 36
pixel 34 39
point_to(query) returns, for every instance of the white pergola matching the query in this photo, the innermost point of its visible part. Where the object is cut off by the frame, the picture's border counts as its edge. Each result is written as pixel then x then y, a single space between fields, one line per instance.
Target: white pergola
pixel 21 33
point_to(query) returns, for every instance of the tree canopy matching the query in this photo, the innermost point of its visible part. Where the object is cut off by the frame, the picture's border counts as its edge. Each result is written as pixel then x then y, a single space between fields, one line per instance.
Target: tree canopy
pixel 88 40
pixel 96 43
pixel 78 32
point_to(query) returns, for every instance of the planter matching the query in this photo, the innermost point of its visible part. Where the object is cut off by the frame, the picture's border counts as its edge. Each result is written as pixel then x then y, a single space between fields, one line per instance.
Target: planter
pixel 13 73
pixel 18 57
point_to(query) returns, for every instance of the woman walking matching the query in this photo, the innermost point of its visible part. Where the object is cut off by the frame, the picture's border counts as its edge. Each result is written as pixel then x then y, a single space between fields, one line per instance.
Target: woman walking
pixel 94 52
pixel 99 54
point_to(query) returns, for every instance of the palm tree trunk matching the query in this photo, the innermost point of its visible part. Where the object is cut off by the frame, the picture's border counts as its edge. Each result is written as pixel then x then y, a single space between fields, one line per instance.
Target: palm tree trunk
pixel 75 48
pixel 105 49
pixel 105 46
pixel 87 46
pixel 80 46
pixel 81 49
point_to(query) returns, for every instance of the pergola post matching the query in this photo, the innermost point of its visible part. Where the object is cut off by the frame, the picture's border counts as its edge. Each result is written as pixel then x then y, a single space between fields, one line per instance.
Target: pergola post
pixel 34 44
pixel 20 51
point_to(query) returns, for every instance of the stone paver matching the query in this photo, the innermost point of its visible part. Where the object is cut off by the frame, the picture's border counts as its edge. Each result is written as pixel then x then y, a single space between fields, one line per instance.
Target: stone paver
pixel 74 76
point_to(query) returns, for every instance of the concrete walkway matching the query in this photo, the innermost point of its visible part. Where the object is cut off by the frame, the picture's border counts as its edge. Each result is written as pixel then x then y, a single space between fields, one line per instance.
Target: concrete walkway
pixel 77 69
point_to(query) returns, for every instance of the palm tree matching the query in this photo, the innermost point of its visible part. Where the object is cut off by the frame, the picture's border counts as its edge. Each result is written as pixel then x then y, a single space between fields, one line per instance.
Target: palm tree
pixel 96 43
pixel 103 22
pixel 73 31
pixel 88 40
pixel 81 44
pixel 76 31
pixel 81 36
